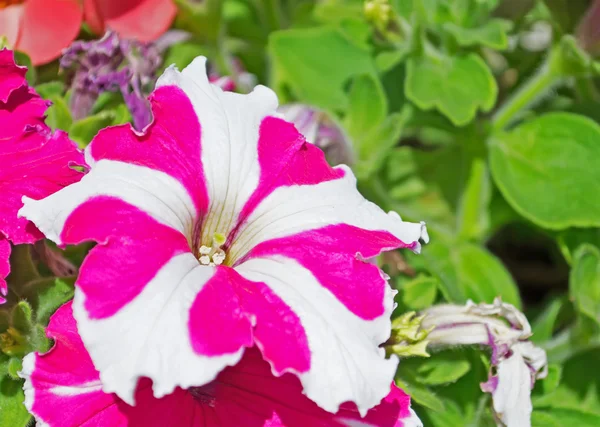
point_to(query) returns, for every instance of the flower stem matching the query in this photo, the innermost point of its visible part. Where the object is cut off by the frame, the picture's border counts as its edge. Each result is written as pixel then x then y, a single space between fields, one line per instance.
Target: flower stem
pixel 528 94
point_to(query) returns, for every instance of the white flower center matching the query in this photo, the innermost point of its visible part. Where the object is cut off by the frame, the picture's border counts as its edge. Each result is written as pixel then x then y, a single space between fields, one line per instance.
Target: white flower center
pixel 213 255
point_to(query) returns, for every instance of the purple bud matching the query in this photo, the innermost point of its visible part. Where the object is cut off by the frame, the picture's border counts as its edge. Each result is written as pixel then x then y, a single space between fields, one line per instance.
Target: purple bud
pixel 111 64
pixel 320 129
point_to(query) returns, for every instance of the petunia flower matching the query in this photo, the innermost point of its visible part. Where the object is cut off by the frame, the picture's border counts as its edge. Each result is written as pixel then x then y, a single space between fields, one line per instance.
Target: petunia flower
pixel 516 361
pixel 62 389
pixel 320 129
pixel 34 161
pixel 220 228
pixel 43 28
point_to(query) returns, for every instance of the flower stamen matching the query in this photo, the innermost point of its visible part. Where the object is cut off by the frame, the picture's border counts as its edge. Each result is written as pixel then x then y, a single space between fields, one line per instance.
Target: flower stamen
pixel 213 255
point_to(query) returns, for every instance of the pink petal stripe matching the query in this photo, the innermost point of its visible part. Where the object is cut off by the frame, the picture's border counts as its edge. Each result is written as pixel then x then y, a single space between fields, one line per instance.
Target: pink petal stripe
pixel 336 256
pixel 278 333
pixel 171 144
pixel 229 307
pixel 4 266
pixel 12 76
pixel 285 159
pixel 132 249
pixel 61 389
pixel 217 323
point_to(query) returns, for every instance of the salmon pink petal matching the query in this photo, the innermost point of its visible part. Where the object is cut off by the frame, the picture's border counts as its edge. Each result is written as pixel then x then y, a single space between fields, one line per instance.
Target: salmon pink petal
pixel 11 18
pixel 220 228
pixel 62 388
pixel 47 27
pixel 143 20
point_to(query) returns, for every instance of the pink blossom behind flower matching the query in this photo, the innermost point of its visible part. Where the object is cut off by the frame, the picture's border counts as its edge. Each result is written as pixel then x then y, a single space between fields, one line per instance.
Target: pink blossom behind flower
pixel 35 162
pixel 63 389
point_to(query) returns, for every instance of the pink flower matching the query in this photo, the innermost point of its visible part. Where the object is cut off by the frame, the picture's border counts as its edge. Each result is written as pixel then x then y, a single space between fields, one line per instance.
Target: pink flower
pixel 62 388
pixel 35 162
pixel 43 28
pixel 142 20
pixel 219 228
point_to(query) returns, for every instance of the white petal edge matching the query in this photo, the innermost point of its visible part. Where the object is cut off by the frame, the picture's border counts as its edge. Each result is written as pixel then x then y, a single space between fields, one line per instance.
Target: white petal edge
pixel 149 337
pixel 347 363
pixel 512 397
pixel 156 193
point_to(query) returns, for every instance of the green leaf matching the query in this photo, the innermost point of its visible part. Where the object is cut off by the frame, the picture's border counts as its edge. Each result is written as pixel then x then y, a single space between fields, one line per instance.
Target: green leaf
pixel 492 34
pixel 569 240
pixel 47 295
pixel 21 58
pixel 48 89
pixel 421 395
pixel 59 115
pixel 474 216
pixel 543 325
pixel 420 292
pixel 450 416
pixel 373 150
pixel 21 317
pixel 12 410
pixel 13 367
pixel 443 368
pixel 546 169
pixel 584 281
pixel 317 63
pixel 84 130
pixel 467 271
pixel 561 417
pixel 182 54
pixel 368 106
pixel 457 86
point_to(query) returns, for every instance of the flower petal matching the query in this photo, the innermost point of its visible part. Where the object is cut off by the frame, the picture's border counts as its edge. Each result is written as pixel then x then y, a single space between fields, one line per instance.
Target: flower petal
pixel 47 27
pixel 12 76
pixel 512 394
pixel 230 131
pixel 62 388
pixel 142 20
pixel 346 363
pixel 141 269
pixel 36 165
pixel 11 18
pixel 4 267
pixel 170 145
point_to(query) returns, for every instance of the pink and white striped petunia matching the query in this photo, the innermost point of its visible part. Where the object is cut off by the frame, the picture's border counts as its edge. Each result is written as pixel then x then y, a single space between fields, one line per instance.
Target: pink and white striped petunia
pixel 219 228
pixel 62 389
pixel 34 162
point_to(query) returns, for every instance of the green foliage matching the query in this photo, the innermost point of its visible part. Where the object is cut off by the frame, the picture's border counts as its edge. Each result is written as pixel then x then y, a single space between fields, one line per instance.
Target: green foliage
pixel 546 161
pixel 438 81
pixel 303 61
pixel 585 281
pixel 460 113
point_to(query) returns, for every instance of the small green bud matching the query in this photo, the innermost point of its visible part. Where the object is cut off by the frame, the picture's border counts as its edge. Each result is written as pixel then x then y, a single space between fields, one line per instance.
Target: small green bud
pixel 379 13
pixel 408 337
pixel 14 366
pixel 21 316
